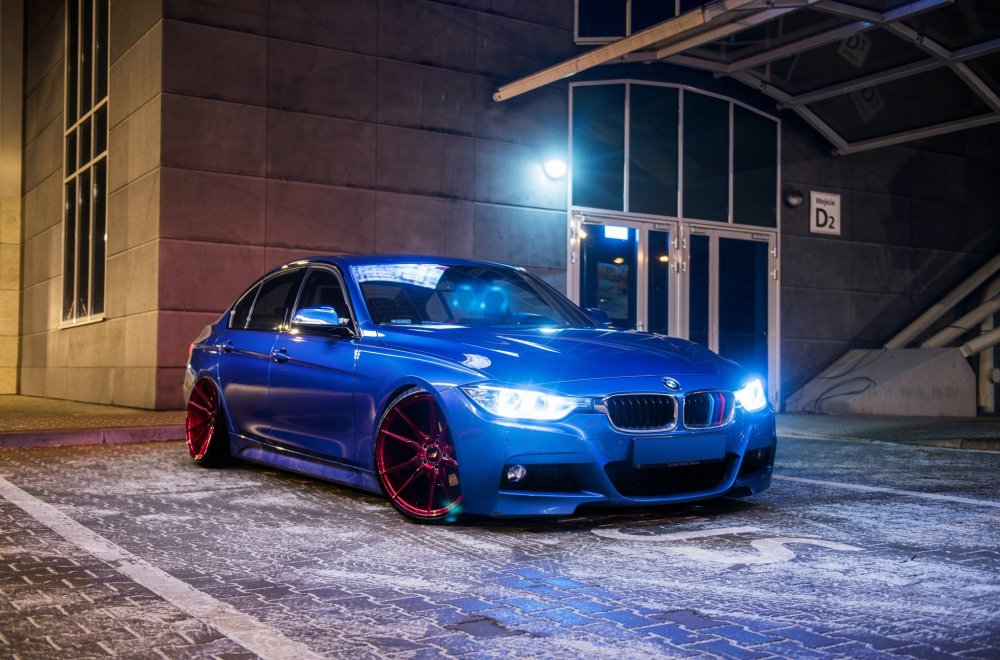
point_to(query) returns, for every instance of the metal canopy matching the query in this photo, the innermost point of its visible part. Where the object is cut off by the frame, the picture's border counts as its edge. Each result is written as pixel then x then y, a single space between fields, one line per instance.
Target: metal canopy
pixel 864 73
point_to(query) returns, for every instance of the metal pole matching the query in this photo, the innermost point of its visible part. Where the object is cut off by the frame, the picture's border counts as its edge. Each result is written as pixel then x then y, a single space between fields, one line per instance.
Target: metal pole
pixel 980 343
pixel 925 320
pixel 987 384
pixel 964 324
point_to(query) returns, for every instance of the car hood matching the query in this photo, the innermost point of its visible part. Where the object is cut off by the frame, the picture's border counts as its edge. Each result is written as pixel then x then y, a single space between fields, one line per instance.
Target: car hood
pixel 547 356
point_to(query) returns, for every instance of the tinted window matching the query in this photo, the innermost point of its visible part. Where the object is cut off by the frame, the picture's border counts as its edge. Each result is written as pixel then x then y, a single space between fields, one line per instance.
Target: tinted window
pixel 706 157
pixel 755 169
pixel 599 146
pixel 241 311
pixel 322 289
pixel 646 13
pixel 275 297
pixel 601 18
pixel 653 150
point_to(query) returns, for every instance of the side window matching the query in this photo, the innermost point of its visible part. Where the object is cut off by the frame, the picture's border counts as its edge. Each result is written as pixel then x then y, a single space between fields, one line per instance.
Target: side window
pixel 323 289
pixel 275 297
pixel 241 311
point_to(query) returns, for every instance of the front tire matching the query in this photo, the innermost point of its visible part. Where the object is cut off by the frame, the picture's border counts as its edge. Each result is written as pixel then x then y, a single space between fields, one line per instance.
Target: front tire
pixel 205 426
pixel 415 459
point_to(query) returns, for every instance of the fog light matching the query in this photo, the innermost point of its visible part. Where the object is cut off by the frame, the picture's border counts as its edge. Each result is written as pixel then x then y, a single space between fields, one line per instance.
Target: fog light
pixel 516 473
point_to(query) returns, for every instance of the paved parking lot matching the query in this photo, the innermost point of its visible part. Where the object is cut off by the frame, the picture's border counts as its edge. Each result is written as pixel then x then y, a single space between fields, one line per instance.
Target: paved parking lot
pixel 859 549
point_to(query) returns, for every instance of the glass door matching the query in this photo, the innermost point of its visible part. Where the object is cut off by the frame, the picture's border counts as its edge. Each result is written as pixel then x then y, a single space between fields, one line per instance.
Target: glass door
pixel 730 291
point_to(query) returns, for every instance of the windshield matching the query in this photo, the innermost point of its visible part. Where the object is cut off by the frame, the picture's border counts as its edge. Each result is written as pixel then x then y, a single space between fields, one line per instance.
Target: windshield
pixel 419 293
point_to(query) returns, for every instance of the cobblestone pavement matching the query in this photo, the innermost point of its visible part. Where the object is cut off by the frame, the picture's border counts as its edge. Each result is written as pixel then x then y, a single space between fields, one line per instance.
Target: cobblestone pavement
pixel 178 560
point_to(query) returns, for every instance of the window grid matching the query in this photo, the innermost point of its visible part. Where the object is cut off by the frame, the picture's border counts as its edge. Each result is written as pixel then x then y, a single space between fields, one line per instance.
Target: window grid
pixel 85 160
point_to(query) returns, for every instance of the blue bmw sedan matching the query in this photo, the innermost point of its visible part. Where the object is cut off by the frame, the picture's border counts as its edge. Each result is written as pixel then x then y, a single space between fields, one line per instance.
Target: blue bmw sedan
pixel 456 386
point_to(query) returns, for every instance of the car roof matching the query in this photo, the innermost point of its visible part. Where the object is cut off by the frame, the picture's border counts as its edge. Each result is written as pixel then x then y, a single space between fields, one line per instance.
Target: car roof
pixel 387 259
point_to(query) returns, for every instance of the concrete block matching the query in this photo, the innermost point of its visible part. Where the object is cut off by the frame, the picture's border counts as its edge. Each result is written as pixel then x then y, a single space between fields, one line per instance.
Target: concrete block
pixel 418 96
pixel 275 256
pixel 911 382
pixel 43 205
pixel 199 276
pixel 801 359
pixel 45 102
pixel 937 177
pixel 9 310
pixel 91 345
pixel 428 33
pixel 45 51
pixel 132 386
pixel 213 135
pixel 509 48
pixel 134 213
pixel 350 25
pixel 115 283
pixel 880 268
pixel 815 263
pixel 425 162
pixel 34 349
pixel 320 218
pixel 982 230
pixel 10 270
pixel 938 226
pixel 37 16
pixel 134 145
pixel 423 225
pixel 141 278
pixel 882 219
pixel 887 171
pixel 815 314
pixel 137 76
pixel 169 389
pixel 240 15
pixel 519 236
pixel 40 308
pixel 10 219
pixel 553 13
pixel 140 340
pixel 8 380
pixel 130 19
pixel 214 63
pixel 174 333
pixel 42 256
pixel 539 118
pixel 43 155
pixel 210 206
pixel 8 350
pixel 805 161
pixel 512 174
pixel 320 149
pixel 320 80
pixel 877 317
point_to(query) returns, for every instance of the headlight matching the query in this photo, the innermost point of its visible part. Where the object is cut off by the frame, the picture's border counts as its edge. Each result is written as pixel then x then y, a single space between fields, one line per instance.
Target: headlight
pixel 513 403
pixel 751 395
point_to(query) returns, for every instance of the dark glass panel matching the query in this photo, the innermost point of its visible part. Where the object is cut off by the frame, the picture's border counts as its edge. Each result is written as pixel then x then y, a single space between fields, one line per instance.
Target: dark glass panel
pixel 86 54
pixel 73 39
pixel 646 13
pixel 71 152
pixel 241 311
pixel 755 169
pixel 601 18
pixel 84 154
pixel 988 68
pixel 658 303
pixel 599 146
pixel 772 34
pixel 276 296
pixel 706 157
pixel 83 245
pixel 743 303
pixel 653 149
pixel 69 249
pixel 322 289
pixel 101 52
pixel 100 192
pixel 698 289
pixel 101 130
pixel 608 273
pixel 919 101
pixel 961 24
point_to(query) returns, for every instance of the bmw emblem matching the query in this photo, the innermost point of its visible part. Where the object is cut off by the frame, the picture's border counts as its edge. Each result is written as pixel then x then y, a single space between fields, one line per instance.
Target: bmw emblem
pixel 670 383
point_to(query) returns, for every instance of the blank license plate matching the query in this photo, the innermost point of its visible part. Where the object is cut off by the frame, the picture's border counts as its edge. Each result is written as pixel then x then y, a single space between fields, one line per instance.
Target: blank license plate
pixel 678 449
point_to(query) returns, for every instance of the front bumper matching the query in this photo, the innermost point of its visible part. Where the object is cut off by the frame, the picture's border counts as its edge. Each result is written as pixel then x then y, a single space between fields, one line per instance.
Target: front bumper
pixel 584 460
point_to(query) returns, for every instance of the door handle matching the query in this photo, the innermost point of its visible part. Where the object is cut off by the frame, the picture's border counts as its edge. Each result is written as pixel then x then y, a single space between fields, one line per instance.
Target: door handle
pixel 280 355
pixel 226 346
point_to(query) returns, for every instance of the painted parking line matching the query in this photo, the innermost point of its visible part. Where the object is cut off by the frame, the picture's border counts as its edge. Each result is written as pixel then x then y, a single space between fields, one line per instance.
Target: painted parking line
pixel 891 491
pixel 243 629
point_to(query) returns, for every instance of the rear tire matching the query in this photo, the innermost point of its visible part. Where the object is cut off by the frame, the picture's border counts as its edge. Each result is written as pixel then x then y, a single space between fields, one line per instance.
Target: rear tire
pixel 205 427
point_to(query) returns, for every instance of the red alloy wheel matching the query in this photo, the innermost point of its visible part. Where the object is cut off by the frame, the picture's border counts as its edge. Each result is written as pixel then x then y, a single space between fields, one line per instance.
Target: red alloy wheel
pixel 202 415
pixel 415 458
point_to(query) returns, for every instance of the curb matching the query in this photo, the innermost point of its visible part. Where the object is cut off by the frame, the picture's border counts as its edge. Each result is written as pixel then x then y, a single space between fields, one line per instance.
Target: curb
pixel 977 444
pixel 100 436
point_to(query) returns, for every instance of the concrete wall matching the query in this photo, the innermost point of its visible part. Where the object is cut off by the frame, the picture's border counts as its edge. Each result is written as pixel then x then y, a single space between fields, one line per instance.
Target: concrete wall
pixel 305 127
pixel 114 360
pixel 917 220
pixel 11 71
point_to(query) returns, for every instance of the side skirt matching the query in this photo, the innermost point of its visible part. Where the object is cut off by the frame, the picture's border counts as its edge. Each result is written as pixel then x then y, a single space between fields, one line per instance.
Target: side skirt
pixel 257 451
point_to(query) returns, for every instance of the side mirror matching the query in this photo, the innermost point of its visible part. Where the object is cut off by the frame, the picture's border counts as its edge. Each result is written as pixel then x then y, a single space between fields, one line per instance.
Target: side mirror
pixel 324 319
pixel 599 315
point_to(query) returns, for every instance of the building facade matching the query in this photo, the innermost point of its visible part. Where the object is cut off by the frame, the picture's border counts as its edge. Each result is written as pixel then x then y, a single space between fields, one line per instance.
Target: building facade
pixel 160 155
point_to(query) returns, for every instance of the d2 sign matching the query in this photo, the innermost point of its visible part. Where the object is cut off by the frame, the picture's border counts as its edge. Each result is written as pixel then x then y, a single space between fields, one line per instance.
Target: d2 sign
pixel 824 213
